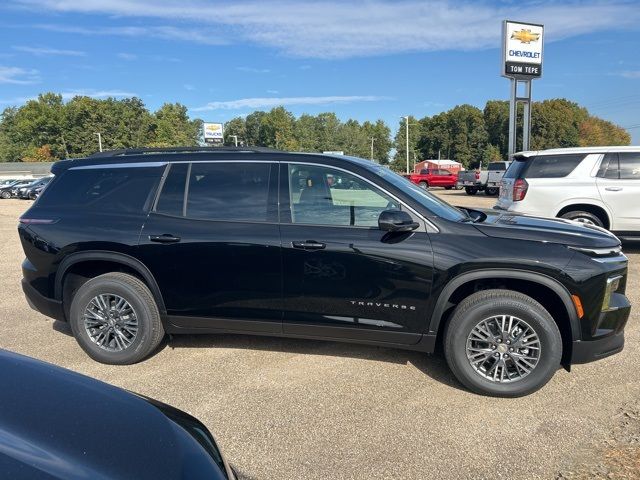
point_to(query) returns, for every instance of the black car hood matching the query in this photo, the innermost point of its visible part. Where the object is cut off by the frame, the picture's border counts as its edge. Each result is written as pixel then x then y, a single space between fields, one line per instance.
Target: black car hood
pixel 552 230
pixel 57 424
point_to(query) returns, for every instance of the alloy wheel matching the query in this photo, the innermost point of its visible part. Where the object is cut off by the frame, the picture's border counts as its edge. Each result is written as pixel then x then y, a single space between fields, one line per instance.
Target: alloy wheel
pixel 110 322
pixel 503 348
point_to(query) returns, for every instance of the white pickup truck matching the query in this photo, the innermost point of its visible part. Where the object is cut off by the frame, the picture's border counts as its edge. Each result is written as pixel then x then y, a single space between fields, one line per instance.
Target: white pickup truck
pixel 488 180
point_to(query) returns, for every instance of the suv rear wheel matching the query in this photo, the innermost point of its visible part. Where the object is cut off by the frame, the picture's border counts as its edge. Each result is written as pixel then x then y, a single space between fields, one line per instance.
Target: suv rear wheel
pixel 584 217
pixel 502 343
pixel 471 190
pixel 115 319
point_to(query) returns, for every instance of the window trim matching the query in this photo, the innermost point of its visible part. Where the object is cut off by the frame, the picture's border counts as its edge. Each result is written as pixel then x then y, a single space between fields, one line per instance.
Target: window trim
pixel 285 204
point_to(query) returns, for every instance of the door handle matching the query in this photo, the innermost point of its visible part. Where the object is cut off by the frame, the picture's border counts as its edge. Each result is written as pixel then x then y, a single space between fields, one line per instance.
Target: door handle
pixel 309 245
pixel 164 238
pixel 613 189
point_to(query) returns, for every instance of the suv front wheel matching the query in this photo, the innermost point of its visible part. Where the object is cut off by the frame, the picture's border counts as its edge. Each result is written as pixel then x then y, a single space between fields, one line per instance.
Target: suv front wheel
pixel 502 343
pixel 115 319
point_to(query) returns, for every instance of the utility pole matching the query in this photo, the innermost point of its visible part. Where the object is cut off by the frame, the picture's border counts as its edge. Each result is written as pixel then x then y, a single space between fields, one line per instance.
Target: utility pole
pixel 372 140
pixel 406 119
pixel 235 139
pixel 99 140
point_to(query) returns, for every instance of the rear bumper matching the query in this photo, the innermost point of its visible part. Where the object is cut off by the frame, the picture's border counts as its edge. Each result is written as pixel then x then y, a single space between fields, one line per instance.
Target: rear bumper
pixel 46 306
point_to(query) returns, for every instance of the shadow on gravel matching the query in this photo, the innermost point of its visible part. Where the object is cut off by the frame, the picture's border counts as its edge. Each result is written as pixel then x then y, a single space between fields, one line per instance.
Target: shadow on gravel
pixel 434 366
pixel 631 247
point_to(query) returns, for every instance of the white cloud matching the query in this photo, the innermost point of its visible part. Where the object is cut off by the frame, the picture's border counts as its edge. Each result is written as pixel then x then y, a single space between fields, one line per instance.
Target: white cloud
pixel 164 32
pixel 273 92
pixel 127 56
pixel 188 86
pixel 333 29
pixel 630 74
pixel 46 51
pixel 253 70
pixel 264 102
pixel 68 95
pixel 18 76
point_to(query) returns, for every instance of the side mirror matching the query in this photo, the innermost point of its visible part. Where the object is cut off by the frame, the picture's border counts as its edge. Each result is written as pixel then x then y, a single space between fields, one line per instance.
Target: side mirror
pixel 396 221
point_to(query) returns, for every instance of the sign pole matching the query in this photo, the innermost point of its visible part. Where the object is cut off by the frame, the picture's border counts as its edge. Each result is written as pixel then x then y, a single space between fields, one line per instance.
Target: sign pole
pixel 522 54
pixel 513 115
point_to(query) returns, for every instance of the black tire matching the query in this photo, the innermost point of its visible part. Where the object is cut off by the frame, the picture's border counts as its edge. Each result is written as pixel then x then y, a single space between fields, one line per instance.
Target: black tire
pixel 5 195
pixel 149 333
pixel 491 191
pixel 448 188
pixel 486 304
pixel 471 190
pixel 424 185
pixel 586 217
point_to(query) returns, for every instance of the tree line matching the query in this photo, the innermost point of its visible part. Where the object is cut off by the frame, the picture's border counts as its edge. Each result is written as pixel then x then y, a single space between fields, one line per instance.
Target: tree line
pixel 47 129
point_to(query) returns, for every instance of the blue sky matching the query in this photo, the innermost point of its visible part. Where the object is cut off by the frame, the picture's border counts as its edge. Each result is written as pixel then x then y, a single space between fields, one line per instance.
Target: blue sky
pixel 364 60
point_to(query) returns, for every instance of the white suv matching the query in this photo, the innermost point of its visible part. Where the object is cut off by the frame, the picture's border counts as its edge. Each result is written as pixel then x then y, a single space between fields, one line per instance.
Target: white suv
pixel 595 185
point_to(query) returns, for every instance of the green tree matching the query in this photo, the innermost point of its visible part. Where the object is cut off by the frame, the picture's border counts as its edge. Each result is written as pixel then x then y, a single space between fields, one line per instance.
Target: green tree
pixel 172 127
pixel 253 123
pixel 235 126
pixel 276 130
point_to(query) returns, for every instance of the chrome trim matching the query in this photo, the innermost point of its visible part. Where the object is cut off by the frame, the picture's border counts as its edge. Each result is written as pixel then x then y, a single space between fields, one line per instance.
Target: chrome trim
pixel 608 292
pixel 430 226
pixel 119 165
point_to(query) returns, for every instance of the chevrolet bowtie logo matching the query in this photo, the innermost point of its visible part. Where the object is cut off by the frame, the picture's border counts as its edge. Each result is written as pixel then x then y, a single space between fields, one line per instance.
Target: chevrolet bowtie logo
pixel 525 36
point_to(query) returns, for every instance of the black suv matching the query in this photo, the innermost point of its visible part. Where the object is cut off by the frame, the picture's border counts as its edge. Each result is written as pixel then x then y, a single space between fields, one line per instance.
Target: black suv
pixel 129 245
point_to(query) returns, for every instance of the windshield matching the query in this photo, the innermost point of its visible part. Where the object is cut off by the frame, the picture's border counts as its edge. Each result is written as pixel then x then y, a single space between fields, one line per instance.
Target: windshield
pixel 438 207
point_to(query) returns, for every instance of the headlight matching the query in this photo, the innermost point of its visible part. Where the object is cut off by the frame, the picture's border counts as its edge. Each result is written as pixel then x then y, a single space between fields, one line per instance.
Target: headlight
pixel 612 285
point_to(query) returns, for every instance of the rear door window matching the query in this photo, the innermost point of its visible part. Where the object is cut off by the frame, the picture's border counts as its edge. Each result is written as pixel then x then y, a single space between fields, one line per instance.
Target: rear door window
pixel 171 199
pixel 609 166
pixel 235 191
pixel 629 165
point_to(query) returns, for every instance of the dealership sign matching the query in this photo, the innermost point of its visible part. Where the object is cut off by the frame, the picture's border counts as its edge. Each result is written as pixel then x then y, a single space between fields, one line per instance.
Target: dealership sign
pixel 213 133
pixel 522 49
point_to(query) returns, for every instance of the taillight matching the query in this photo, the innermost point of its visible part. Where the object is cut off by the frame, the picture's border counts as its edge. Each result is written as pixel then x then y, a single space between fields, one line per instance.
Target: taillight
pixel 37 221
pixel 520 187
pixel 477 175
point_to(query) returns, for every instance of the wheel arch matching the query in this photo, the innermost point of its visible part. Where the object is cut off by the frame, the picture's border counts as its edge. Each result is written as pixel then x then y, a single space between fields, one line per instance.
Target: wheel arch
pixel 114 258
pixel 517 280
pixel 598 209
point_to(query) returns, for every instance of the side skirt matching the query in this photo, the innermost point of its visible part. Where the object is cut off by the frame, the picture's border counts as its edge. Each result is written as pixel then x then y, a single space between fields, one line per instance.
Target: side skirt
pixel 176 325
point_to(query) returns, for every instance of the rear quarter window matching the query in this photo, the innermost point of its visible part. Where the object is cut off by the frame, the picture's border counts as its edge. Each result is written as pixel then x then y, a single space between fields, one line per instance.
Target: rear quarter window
pixel 124 190
pixel 552 166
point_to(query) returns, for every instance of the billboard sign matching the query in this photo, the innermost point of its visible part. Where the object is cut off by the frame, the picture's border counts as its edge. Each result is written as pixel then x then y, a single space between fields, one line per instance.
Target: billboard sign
pixel 213 133
pixel 522 49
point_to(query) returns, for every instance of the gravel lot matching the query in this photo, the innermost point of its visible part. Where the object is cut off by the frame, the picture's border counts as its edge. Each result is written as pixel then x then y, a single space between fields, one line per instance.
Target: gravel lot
pixel 297 409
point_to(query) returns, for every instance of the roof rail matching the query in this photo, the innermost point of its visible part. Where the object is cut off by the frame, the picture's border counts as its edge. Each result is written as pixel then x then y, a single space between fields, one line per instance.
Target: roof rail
pixel 152 150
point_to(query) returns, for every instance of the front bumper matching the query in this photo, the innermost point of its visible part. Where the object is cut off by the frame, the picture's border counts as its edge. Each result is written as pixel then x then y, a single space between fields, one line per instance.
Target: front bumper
pixel 47 306
pixel 609 338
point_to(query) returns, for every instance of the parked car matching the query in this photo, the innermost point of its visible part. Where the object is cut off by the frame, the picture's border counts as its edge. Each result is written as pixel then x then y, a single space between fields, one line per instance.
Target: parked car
pixel 55 423
pixel 12 189
pixel 129 245
pixel 434 177
pixel 35 192
pixel 7 182
pixel 28 191
pixel 483 180
pixel 594 185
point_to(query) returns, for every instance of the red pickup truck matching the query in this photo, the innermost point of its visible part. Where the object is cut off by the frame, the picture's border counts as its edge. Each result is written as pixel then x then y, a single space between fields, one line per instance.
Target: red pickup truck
pixel 434 177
